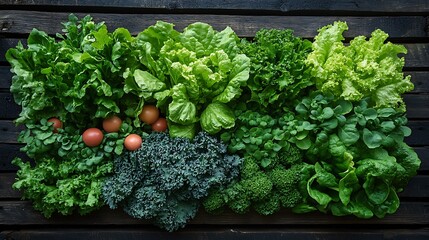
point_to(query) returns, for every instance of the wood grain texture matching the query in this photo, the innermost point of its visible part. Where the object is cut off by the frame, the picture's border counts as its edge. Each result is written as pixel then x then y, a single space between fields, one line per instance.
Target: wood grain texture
pixel 8 108
pixel 16 22
pixel 290 6
pixel 6 191
pixel 9 131
pixel 423 153
pixel 418 187
pixel 224 233
pixel 409 214
pixel 7 153
pixel 417 105
pixel 5 78
pixel 420 81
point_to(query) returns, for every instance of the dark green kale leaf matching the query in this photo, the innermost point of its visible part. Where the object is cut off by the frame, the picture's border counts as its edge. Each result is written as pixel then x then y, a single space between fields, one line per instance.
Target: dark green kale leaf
pixel 166 178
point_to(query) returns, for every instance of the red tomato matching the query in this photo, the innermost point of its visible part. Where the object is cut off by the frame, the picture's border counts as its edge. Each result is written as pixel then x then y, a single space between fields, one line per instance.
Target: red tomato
pixel 57 123
pixel 149 114
pixel 133 142
pixel 92 137
pixel 112 124
pixel 160 125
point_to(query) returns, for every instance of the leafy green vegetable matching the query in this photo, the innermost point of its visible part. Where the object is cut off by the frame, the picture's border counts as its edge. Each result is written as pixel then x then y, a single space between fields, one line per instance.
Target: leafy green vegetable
pixel 278 73
pixel 365 68
pixel 199 69
pixel 272 176
pixel 78 79
pixel 165 179
pixel 67 175
pixel 351 145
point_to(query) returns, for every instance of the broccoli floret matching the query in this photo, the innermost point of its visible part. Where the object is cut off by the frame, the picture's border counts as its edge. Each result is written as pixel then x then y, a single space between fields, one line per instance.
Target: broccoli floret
pixel 237 198
pixel 284 178
pixel 257 187
pixel 290 198
pixel 214 203
pixel 240 205
pixel 249 168
pixel 269 205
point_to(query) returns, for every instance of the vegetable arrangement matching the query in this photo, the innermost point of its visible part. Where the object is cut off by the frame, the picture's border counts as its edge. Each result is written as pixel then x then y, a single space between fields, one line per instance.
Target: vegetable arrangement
pixel 167 122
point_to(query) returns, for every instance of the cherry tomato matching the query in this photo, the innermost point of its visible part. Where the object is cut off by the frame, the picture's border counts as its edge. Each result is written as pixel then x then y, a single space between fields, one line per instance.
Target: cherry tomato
pixel 133 142
pixel 149 114
pixel 112 124
pixel 92 137
pixel 160 125
pixel 57 123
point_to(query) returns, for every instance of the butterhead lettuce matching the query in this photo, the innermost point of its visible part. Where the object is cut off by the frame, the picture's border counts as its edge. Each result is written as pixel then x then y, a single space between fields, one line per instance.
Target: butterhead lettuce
pixel 202 71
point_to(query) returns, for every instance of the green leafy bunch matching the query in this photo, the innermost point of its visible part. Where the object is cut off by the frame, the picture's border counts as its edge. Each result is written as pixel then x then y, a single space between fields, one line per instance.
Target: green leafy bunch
pixel 67 175
pixel 355 151
pixel 191 75
pixel 278 73
pixel 365 68
pixel 77 79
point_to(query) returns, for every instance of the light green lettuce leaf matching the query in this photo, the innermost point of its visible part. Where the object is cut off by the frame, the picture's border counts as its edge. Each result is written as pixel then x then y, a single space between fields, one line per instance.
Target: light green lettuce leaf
pixel 217 116
pixel 365 68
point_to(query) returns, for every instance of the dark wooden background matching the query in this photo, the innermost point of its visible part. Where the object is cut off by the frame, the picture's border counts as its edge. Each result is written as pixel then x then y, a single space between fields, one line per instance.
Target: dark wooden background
pixel 406 21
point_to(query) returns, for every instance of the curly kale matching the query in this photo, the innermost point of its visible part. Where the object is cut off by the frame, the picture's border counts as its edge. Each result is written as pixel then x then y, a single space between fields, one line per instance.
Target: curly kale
pixel 166 178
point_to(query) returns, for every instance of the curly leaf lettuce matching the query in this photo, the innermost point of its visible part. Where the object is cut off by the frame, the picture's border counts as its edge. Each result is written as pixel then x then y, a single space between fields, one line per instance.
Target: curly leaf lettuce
pixel 365 68
pixel 278 73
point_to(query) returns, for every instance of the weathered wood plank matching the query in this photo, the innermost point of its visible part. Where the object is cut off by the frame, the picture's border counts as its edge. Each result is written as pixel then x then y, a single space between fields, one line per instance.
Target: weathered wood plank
pixel 5 44
pixel 420 80
pixel 6 191
pixel 417 106
pixel 418 187
pixel 21 213
pixel 290 6
pixel 16 22
pixel 419 135
pixel 423 153
pixel 5 77
pixel 7 153
pixel 225 233
pixel 9 109
pixel 417 56
pixel 9 131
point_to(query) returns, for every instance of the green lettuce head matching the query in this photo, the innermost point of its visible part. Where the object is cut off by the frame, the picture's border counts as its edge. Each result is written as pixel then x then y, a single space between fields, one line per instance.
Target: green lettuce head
pixel 202 71
pixel 365 68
